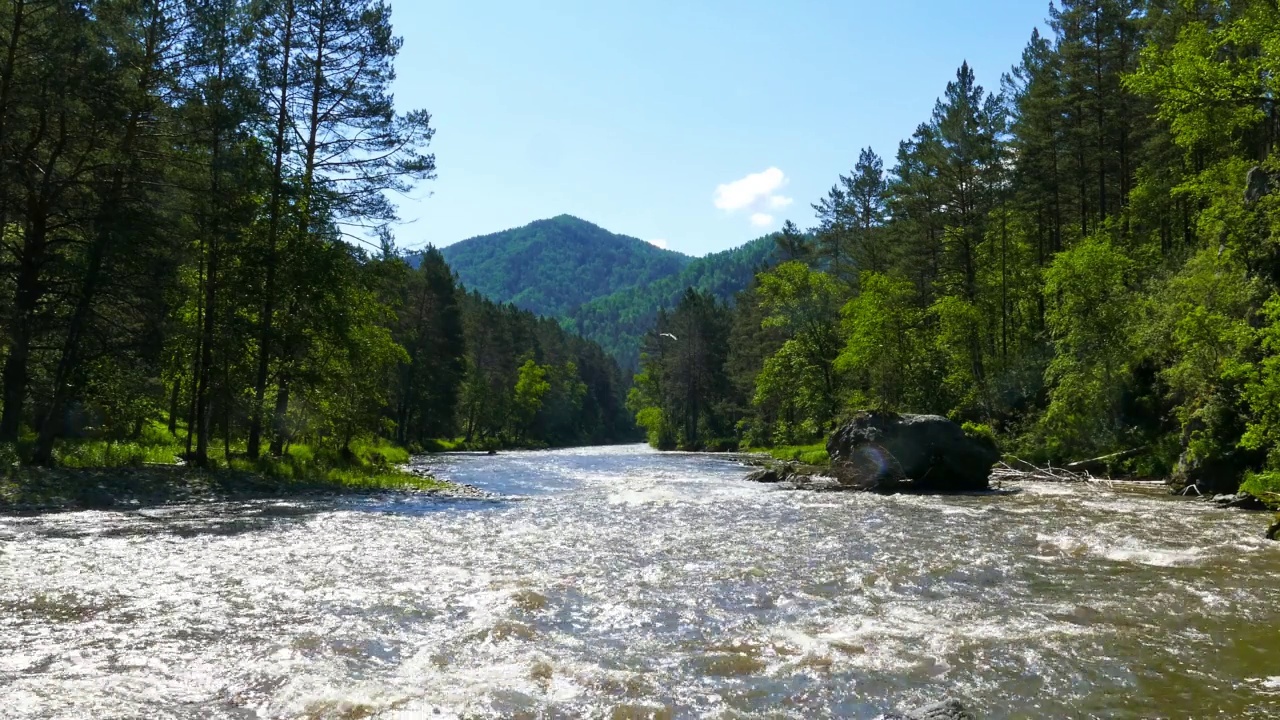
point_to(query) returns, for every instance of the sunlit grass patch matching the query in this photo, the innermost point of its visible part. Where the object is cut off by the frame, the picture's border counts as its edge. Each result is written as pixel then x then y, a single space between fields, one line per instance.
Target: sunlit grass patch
pixel 149 468
pixel 815 454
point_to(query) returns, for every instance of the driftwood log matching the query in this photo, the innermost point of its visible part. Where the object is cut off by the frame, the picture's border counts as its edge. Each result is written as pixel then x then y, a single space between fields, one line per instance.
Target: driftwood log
pixel 1019 470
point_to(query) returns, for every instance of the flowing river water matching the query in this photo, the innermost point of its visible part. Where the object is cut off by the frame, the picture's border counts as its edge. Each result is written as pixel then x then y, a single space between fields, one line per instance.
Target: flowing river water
pixel 621 583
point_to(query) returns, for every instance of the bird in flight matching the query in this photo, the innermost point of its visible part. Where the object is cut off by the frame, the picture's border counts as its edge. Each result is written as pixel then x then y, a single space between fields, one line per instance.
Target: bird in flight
pixel 673 337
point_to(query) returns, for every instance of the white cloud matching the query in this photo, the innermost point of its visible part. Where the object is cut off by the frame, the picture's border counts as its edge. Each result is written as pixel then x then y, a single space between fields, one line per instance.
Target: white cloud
pixel 659 243
pixel 756 193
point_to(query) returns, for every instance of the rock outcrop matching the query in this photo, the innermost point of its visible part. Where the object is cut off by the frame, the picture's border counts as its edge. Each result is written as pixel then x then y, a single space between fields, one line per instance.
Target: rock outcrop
pixel 1257 185
pixel 887 452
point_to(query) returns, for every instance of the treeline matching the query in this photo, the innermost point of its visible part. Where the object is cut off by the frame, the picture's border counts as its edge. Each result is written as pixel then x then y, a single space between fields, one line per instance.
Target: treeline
pixel 1086 261
pixel 619 321
pixel 185 185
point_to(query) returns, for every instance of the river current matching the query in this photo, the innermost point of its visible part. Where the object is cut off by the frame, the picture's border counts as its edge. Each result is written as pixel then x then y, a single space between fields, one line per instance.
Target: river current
pixel 623 583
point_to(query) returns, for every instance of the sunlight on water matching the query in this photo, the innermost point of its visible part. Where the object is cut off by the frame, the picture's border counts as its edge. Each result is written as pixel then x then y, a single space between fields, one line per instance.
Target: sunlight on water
pixel 622 583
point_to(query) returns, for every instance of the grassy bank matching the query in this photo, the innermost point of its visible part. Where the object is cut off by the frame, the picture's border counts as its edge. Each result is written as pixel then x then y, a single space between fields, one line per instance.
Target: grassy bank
pixel 148 471
pixel 815 454
pixel 439 445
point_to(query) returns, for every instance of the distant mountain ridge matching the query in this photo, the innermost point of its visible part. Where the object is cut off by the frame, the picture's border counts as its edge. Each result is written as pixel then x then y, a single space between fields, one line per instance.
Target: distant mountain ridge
pixel 604 286
pixel 553 266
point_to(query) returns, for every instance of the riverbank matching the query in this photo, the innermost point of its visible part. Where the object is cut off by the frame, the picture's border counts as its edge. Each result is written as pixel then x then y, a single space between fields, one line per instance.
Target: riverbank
pixel 806 467
pixel 32 489
pixel 149 471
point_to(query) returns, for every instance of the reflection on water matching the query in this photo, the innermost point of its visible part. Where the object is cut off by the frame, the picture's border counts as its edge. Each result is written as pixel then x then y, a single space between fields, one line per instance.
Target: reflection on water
pixel 622 583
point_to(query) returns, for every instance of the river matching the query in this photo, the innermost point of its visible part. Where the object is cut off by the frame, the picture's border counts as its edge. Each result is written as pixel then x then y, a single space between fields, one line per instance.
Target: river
pixel 623 583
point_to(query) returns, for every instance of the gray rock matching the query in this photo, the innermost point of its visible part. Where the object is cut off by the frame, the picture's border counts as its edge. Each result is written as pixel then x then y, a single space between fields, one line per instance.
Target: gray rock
pixel 887 452
pixel 768 475
pixel 774 471
pixel 945 710
pixel 1241 501
pixel 1257 185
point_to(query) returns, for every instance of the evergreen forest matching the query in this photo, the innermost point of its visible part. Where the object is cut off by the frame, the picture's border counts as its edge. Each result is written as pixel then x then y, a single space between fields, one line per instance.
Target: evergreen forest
pixel 1083 261
pixel 195 200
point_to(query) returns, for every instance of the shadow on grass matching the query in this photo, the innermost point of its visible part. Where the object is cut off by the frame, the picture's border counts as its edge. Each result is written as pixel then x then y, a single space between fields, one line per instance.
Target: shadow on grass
pixel 41 490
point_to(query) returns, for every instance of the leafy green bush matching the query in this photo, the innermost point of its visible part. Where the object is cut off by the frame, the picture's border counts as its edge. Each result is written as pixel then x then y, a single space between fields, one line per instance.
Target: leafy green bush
pixel 979 431
pixel 1263 485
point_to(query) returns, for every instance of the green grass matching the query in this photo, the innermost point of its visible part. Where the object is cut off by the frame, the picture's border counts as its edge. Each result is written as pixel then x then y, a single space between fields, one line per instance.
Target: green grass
pixel 149 468
pixel 371 465
pixel 440 445
pixel 815 454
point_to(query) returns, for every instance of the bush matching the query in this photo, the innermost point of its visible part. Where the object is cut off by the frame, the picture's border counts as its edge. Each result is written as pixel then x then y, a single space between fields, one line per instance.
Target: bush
pixel 979 431
pixel 1264 485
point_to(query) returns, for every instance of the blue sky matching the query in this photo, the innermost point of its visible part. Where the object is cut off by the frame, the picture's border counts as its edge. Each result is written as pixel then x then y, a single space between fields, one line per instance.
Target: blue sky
pixel 698 124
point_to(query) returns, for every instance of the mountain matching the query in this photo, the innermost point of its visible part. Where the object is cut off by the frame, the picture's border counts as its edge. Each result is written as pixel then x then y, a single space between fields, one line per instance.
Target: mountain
pixel 619 321
pixel 551 267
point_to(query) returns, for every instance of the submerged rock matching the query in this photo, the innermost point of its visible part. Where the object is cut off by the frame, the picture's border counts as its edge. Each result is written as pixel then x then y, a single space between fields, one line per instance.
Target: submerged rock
pixel 1241 501
pixel 768 475
pixel 888 452
pixel 945 710
pixel 95 498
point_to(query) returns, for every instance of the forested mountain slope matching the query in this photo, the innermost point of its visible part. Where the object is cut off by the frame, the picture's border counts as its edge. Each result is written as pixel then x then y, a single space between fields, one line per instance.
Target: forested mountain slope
pixel 550 267
pixel 619 321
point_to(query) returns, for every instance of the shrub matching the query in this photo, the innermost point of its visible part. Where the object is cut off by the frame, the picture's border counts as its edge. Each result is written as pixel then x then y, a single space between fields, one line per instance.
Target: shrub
pixel 1263 485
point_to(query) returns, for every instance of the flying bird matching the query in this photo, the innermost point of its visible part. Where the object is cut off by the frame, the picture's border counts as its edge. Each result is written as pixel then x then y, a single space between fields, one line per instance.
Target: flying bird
pixel 673 337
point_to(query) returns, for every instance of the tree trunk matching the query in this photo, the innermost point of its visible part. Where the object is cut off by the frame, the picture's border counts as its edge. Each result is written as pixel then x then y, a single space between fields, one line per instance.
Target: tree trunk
pixel 267 334
pixel 26 298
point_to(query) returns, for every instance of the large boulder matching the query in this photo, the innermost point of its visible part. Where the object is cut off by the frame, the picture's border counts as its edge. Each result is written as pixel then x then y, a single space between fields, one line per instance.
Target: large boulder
pixel 888 452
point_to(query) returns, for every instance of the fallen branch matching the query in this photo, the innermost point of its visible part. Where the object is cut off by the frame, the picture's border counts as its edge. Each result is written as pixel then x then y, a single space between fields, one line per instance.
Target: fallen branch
pixel 1027 472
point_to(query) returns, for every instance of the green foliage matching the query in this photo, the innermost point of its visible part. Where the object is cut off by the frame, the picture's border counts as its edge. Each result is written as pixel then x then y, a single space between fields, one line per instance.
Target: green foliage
pixel 531 387
pixel 579 391
pixel 1263 391
pixel 187 246
pixel 1263 485
pixel 1075 266
pixel 979 431
pixel 815 454
pixel 883 329
pixel 1089 319
pixel 618 322
pixel 681 396
pixel 805 304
